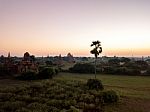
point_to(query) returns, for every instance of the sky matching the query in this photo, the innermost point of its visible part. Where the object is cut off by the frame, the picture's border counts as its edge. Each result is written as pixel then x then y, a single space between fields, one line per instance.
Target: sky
pixel 53 27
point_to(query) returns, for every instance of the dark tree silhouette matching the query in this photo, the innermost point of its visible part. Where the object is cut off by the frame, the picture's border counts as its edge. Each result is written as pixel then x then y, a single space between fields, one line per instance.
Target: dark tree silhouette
pixel 32 57
pixel 96 51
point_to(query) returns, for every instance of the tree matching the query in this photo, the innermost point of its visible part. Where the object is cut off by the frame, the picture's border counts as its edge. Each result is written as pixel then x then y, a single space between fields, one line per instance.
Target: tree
pixel 82 68
pixel 96 51
pixel 114 61
pixel 32 57
pixel 124 59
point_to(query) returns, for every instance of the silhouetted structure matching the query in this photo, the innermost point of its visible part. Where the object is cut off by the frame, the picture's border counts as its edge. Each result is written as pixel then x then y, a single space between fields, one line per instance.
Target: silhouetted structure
pixel 27 64
pixel 8 65
pixel 70 58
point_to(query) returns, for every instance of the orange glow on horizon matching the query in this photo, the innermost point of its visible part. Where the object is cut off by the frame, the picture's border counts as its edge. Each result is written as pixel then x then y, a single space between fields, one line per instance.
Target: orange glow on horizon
pixel 54 28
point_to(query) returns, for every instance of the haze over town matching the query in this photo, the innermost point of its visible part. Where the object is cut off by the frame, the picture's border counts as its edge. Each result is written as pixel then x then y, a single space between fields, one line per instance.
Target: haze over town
pixel 53 27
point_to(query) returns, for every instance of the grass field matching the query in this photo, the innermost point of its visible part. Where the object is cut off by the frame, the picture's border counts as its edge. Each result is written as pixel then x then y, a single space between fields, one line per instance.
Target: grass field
pixel 133 86
pixel 134 91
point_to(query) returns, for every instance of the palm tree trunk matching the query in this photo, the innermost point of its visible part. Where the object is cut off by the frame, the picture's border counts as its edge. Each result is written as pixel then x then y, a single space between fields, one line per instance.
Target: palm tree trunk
pixel 95 68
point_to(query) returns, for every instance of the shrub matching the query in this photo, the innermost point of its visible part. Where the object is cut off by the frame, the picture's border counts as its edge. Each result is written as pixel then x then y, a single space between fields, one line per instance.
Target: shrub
pixel 133 72
pixel 46 73
pixel 51 96
pixel 82 68
pixel 23 110
pixel 28 76
pixel 73 109
pixel 36 88
pixel 80 104
pixel 143 65
pixel 109 70
pixel 4 71
pixel 12 106
pixel 87 98
pixel 5 96
pixel 91 108
pixel 67 104
pixel 57 71
pixel 110 96
pixel 121 70
pixel 55 103
pixel 25 98
pixel 127 71
pixel 37 107
pixel 95 84
pixel 148 71
pixel 114 61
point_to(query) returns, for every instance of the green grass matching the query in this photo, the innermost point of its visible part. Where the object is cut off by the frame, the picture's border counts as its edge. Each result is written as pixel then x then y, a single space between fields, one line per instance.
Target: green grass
pixel 133 86
pixel 50 96
pixel 134 91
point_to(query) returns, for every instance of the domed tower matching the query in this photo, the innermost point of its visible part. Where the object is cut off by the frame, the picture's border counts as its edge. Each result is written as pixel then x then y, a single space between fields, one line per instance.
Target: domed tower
pixel 26 56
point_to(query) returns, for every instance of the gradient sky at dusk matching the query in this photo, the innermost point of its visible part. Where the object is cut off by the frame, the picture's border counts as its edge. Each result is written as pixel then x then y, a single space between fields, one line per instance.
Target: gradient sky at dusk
pixel 55 27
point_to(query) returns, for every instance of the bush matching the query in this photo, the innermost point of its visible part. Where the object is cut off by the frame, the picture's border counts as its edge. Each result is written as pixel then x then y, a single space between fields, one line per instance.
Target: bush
pixel 148 71
pixel 11 106
pixel 57 70
pixel 109 70
pixel 4 71
pixel 23 110
pixel 114 62
pixel 28 76
pixel 92 108
pixel 133 72
pixel 127 71
pixel 46 73
pixel 95 84
pixel 121 70
pixel 73 109
pixel 37 107
pixel 82 68
pixel 52 96
pixel 110 96
pixel 143 65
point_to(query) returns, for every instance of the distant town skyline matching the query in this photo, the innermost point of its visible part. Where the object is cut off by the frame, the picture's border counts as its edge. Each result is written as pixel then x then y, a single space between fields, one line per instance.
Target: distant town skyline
pixel 53 27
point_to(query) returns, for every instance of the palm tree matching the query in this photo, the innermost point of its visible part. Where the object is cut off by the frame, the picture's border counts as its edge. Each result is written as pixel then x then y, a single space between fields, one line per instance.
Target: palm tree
pixel 96 51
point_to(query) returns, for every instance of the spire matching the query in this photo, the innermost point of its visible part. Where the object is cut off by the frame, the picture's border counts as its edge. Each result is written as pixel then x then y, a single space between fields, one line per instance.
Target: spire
pixel 9 55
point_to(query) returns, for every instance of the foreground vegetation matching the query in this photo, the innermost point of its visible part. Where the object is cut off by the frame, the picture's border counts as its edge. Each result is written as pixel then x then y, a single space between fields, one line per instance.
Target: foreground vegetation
pixel 134 91
pixel 69 92
pixel 131 86
pixel 56 96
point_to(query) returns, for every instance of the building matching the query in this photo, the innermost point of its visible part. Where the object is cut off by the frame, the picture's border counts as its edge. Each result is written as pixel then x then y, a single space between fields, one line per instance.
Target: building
pixel 27 64
pixel 70 58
